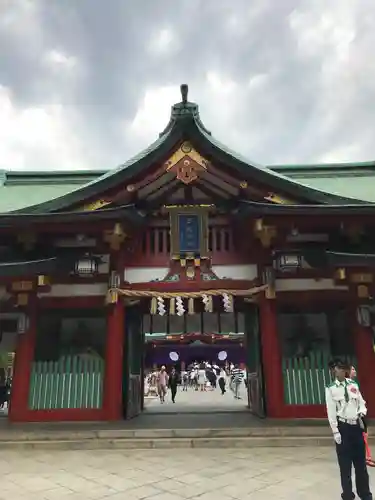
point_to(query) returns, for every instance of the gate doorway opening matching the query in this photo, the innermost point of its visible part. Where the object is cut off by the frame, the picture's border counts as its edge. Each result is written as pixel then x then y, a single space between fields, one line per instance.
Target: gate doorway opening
pixel 9 331
pixel 199 349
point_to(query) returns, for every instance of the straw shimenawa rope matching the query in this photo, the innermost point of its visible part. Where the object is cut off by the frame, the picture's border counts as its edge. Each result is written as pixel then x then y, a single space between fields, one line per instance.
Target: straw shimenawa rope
pixel 172 295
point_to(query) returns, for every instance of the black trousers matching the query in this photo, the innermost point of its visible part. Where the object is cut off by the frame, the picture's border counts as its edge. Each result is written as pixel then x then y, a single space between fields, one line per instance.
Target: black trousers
pixel 352 452
pixel 173 392
pixel 222 385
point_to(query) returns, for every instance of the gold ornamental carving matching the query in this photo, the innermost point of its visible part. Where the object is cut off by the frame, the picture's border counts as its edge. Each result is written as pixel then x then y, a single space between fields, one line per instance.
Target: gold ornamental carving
pixel 340 274
pixel 94 205
pixel 278 200
pixel 115 237
pixel 264 233
pixel 187 163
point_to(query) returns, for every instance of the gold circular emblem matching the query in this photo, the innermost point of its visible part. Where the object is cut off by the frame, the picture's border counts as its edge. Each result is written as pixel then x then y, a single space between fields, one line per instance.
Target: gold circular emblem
pixel 186 147
pixel 186 163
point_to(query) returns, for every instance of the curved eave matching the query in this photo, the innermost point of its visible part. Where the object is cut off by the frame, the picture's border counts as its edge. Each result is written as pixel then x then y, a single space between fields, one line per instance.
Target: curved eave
pixel 263 174
pixel 263 209
pixel 127 212
pixel 154 153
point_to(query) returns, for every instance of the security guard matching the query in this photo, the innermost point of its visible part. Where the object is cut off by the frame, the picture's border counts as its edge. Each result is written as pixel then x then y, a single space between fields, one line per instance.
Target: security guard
pixel 345 409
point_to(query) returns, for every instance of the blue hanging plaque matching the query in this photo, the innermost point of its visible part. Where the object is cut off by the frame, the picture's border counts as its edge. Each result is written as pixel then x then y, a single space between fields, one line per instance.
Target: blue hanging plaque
pixel 189 233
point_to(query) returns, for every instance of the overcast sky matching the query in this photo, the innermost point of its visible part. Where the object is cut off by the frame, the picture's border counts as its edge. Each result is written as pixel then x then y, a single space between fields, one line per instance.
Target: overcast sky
pixel 89 83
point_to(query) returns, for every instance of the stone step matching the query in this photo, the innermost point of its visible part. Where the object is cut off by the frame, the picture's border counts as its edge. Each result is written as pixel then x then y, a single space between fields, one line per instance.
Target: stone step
pixel 37 434
pixel 162 443
pixel 163 438
pixel 166 443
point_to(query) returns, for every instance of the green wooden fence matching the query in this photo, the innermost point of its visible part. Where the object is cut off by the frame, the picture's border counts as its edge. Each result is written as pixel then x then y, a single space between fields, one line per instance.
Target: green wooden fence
pixel 305 378
pixel 71 382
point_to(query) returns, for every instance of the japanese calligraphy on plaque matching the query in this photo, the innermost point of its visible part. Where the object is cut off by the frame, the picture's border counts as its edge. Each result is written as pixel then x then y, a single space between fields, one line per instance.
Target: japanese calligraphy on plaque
pixel 189 232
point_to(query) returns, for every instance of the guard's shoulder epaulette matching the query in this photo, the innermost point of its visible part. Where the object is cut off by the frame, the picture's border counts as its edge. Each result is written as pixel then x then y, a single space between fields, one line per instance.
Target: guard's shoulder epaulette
pixel 351 381
pixel 331 384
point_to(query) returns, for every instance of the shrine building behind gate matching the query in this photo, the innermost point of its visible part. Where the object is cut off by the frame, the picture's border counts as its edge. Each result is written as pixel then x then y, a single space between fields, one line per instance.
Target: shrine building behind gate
pixel 186 241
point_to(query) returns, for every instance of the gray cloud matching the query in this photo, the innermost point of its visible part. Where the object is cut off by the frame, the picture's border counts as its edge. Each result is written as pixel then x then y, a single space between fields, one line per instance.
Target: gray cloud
pixel 289 81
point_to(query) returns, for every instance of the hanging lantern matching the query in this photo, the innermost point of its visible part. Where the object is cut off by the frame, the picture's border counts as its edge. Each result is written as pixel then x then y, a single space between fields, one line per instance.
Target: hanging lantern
pixel 87 266
pixel 289 262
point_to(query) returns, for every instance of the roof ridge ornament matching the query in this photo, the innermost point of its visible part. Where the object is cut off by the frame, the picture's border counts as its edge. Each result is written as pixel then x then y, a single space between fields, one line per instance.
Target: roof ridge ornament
pixel 184 109
pixel 184 88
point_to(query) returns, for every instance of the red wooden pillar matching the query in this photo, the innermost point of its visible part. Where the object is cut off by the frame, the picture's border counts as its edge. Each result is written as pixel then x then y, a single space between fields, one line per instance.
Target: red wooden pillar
pixel 366 362
pixel 112 397
pixel 112 401
pixel 271 358
pixel 19 404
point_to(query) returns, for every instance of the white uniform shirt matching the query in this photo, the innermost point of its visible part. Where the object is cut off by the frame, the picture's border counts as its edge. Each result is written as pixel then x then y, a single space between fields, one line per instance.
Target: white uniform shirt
pixel 338 407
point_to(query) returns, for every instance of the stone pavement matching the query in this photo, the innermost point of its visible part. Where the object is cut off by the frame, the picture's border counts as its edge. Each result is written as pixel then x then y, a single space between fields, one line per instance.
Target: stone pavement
pixel 258 474
pixel 192 401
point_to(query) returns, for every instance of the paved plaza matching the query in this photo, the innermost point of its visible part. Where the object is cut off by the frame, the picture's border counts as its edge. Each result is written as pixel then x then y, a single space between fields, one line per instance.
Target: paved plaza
pixel 192 401
pixel 258 474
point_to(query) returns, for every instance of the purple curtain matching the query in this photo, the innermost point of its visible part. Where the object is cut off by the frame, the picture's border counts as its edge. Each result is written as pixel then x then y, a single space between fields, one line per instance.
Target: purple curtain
pixel 189 353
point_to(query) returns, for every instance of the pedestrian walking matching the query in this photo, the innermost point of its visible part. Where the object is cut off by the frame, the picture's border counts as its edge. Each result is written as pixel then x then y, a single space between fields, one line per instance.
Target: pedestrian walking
pixel 201 377
pixel 173 382
pixel 185 381
pixel 236 380
pixel 222 381
pixel 162 381
pixel 346 409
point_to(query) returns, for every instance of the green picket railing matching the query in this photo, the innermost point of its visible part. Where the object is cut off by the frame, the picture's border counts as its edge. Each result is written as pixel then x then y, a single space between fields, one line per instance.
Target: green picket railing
pixel 71 382
pixel 305 378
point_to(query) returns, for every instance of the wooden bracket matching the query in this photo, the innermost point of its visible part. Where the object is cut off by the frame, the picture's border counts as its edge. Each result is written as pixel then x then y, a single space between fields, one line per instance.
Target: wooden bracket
pixel 264 233
pixel 362 278
pixel 340 274
pixel 363 292
pixel 21 287
pixel 22 299
pixel 115 237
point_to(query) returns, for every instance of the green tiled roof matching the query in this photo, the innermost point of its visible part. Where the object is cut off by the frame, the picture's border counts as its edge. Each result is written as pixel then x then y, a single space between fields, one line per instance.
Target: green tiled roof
pixel 352 180
pixel 23 189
